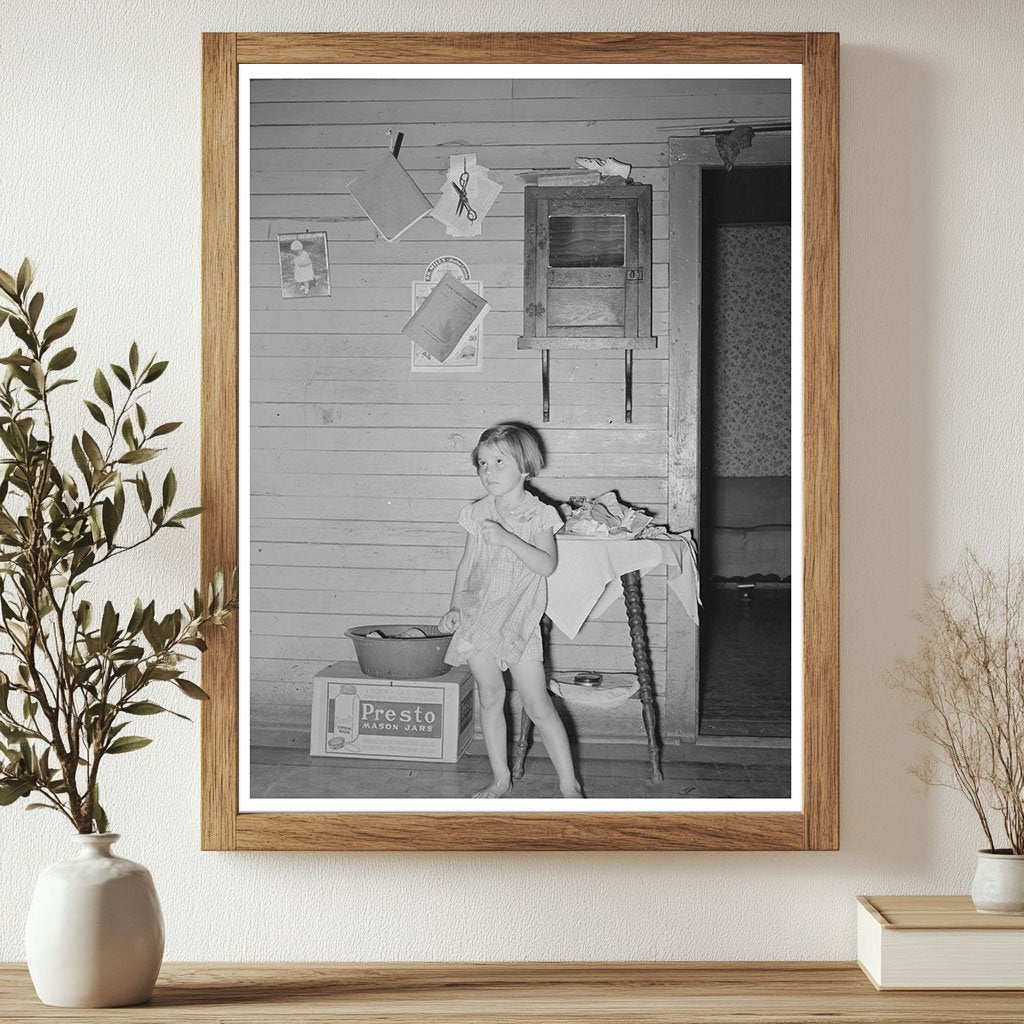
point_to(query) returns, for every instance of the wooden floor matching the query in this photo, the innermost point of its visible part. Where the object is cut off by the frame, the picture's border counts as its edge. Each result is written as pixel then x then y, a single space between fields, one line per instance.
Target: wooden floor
pixel 745 662
pixel 705 773
pixel 523 993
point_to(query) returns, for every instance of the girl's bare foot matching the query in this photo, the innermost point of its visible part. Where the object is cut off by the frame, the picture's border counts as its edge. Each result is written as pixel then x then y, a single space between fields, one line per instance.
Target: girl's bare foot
pixel 497 789
pixel 572 792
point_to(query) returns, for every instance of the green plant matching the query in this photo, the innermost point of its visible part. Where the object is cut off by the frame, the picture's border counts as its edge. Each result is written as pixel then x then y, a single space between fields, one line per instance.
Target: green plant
pixel 81 674
pixel 967 680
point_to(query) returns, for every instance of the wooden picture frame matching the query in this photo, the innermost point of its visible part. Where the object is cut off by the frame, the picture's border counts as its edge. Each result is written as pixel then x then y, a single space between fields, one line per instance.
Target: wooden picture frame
pixel 816 825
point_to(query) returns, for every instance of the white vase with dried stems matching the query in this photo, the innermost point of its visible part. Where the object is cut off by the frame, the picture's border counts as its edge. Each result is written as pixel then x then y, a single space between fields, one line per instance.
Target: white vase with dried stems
pixel 75 676
pixel 966 681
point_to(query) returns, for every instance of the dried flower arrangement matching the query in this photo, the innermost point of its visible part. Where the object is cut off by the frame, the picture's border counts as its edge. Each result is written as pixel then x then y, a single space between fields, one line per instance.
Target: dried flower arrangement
pixel 967 680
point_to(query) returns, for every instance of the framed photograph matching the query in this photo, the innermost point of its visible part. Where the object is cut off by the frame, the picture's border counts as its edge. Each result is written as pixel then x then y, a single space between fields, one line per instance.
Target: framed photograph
pixel 659 260
pixel 305 268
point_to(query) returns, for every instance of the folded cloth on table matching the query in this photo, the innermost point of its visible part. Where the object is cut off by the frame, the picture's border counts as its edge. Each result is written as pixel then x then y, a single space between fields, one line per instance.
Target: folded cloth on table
pixel 587 579
pixel 593 697
pixel 683 577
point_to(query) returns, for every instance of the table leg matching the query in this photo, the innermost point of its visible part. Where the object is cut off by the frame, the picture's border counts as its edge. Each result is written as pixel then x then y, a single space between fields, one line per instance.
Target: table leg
pixel 642 661
pixel 522 742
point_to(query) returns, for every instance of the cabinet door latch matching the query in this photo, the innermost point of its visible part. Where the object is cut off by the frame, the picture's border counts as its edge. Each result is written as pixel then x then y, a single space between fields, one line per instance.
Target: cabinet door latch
pixel 635 274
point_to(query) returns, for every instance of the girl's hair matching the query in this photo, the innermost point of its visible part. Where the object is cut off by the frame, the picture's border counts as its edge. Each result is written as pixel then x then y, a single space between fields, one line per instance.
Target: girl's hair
pixel 523 443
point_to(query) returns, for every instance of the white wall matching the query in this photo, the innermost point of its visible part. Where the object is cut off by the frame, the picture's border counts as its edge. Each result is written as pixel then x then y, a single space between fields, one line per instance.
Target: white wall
pixel 99 181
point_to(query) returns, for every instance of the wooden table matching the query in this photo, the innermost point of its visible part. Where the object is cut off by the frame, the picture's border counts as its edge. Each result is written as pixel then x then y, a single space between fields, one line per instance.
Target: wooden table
pixel 633 600
pixel 586 568
pixel 624 993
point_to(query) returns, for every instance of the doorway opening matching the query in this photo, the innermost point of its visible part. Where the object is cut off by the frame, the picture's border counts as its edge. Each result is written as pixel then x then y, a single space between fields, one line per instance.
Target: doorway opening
pixel 745 452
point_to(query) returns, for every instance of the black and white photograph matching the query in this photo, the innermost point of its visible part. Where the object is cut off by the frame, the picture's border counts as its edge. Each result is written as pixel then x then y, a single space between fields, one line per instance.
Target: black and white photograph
pixel 305 267
pixel 570 579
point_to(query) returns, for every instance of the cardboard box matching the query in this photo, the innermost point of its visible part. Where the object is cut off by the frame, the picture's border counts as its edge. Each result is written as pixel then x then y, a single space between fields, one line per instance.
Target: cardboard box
pixel 355 715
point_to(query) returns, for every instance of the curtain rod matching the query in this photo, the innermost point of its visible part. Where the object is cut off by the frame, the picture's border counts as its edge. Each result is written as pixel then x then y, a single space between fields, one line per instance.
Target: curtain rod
pixel 694 130
pixel 764 126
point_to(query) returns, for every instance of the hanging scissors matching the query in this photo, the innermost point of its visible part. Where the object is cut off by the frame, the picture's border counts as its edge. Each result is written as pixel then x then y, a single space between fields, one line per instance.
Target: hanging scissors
pixel 461 189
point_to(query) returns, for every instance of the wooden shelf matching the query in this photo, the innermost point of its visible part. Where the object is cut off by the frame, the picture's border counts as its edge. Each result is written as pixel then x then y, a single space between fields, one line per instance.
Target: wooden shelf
pixel 586 344
pixel 436 993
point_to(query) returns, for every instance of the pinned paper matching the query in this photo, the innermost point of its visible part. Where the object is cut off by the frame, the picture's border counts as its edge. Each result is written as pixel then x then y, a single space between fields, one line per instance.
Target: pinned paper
pixel 389 197
pixel 466 355
pixel 445 316
pixel 466 196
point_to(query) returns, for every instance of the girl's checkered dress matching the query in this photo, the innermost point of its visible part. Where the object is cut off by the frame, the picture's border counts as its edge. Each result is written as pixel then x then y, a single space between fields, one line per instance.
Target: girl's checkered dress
pixel 503 600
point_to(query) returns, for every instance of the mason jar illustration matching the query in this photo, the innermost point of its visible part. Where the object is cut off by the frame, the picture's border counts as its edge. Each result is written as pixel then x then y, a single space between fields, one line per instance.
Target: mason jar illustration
pixel 342 717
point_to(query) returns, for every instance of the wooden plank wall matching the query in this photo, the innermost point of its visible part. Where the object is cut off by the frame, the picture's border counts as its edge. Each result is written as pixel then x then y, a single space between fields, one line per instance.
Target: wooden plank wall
pixel 359 467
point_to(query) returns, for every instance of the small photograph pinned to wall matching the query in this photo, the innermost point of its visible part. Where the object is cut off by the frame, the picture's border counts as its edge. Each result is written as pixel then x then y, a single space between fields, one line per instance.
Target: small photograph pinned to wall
pixel 305 269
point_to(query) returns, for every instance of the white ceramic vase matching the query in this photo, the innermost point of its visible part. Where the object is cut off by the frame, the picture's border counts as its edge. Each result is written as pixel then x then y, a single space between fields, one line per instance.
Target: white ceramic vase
pixel 999 883
pixel 95 933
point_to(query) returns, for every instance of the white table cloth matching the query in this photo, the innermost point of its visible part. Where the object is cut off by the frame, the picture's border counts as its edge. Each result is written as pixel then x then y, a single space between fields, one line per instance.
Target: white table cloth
pixel 587 579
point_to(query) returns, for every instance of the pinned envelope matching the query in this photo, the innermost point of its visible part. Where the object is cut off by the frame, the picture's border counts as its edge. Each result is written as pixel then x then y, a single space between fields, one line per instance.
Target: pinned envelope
pixel 466 196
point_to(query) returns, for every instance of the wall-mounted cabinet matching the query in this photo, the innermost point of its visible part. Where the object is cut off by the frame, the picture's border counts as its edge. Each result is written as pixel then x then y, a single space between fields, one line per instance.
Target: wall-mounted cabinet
pixel 587 273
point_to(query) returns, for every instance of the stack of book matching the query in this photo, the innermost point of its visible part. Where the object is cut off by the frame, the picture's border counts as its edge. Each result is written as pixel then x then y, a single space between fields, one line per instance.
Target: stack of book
pixel 938 942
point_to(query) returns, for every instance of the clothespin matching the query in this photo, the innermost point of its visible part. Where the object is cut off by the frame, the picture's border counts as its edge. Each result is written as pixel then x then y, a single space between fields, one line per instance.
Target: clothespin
pixel 393 149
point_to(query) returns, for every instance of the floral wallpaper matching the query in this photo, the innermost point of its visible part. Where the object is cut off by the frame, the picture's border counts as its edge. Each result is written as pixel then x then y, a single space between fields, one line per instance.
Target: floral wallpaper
pixel 750 363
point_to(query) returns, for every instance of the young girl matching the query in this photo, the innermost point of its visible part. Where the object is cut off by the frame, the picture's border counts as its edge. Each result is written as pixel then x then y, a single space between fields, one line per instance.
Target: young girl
pixel 302 267
pixel 500 595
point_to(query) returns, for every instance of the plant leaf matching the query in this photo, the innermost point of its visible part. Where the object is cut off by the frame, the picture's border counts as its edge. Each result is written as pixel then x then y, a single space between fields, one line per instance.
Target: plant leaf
pixel 143 707
pixel 80 459
pixel 121 374
pixel 35 307
pixel 128 433
pixel 170 488
pixel 145 498
pixel 14 790
pixel 108 626
pixel 60 326
pixel 84 615
pixel 20 328
pixel 186 513
pixel 92 449
pixel 102 388
pixel 63 359
pixel 165 428
pixel 99 817
pixel 119 499
pixel 26 274
pixel 191 690
pixel 126 744
pixel 164 673
pixel 95 412
pixel 133 358
pixel 139 455
pixel 136 620
pixel 147 707
pixel 154 371
pixel 109 521
pixel 8 284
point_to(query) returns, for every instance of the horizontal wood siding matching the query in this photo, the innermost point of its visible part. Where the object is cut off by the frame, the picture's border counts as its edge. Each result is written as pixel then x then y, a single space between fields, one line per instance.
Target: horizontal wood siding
pixel 359 466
